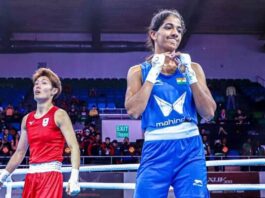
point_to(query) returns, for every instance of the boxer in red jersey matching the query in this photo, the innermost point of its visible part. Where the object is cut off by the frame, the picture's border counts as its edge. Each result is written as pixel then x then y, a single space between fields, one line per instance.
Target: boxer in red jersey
pixel 45 131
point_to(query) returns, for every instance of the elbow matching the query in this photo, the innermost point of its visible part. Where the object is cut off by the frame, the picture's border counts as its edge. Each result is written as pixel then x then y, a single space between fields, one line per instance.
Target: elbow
pixel 209 115
pixel 133 114
pixel 134 111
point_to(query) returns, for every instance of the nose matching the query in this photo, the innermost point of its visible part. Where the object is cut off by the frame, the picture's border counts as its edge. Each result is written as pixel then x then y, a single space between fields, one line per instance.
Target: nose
pixel 174 33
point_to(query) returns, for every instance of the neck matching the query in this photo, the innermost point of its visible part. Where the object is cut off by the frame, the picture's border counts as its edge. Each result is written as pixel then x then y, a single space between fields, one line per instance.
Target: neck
pixel 43 108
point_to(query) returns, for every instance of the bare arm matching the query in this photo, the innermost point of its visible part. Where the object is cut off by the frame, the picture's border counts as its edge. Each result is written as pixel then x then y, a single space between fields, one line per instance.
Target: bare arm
pixel 64 123
pixel 22 148
pixel 137 95
pixel 204 101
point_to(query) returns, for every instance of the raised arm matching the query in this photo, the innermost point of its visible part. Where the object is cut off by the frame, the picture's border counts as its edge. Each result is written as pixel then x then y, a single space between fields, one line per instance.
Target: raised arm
pixel 137 94
pixel 204 101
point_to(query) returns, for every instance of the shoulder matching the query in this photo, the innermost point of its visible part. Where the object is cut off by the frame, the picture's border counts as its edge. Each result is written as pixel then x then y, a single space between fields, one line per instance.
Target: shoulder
pixel 60 113
pixel 135 71
pixel 24 120
pixel 196 67
pixel 198 70
pixel 61 117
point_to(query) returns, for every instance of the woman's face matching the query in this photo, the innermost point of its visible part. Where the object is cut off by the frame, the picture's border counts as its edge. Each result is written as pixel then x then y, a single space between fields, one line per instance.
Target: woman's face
pixel 43 89
pixel 167 38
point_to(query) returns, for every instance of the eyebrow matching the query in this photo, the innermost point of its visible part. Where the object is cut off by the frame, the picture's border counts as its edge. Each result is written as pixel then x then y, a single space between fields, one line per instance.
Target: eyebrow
pixel 179 26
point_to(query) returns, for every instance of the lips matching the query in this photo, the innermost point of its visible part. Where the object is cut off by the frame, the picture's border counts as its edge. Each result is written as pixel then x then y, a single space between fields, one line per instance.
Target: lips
pixel 37 92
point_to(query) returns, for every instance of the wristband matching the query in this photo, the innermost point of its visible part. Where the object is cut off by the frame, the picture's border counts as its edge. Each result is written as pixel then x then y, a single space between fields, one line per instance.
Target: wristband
pixel 157 63
pixel 4 175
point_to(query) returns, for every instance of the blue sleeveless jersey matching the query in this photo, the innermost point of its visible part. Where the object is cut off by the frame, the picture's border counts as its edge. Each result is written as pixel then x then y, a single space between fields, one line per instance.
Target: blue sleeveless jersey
pixel 170 103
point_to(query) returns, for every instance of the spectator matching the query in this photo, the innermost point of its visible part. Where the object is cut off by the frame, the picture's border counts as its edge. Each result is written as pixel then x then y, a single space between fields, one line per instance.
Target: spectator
pixel 231 97
pixel 95 146
pixel 73 113
pixel 206 146
pixel 259 152
pixel 222 118
pixel 117 152
pixel 128 150
pixel 240 117
pixel 222 133
pixel 93 112
pixel 107 148
pixel 83 114
pixel 218 153
pixel 247 151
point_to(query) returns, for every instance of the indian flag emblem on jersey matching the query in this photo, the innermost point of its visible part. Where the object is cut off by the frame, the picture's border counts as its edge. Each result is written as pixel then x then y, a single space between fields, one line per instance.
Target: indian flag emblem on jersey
pixel 45 122
pixel 181 80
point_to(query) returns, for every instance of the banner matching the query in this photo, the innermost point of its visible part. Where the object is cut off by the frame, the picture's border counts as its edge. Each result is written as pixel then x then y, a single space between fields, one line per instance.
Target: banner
pixel 234 178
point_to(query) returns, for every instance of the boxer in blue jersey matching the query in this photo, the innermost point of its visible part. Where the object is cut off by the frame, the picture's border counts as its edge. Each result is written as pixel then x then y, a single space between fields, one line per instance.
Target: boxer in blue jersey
pixel 168 90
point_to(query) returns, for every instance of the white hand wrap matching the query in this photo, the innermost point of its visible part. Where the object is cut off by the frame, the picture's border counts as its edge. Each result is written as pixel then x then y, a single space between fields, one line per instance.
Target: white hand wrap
pixel 189 73
pixel 73 185
pixel 4 175
pixel 157 63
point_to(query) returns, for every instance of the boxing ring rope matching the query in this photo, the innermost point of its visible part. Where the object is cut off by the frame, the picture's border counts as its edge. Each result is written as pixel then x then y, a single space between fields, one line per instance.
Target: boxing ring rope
pixel 133 167
pixel 131 186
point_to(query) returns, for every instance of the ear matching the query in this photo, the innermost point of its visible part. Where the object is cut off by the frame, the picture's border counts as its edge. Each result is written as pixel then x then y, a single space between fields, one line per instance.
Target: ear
pixel 54 91
pixel 152 34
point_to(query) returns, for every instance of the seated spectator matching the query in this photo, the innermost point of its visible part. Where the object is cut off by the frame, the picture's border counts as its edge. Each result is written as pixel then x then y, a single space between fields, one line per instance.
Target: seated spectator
pixel 9 111
pixel 247 151
pixel 5 150
pixel 206 146
pixel 93 112
pixel 222 133
pixel 73 113
pixel 218 153
pixel 107 150
pixel 94 148
pixel 259 151
pixel 222 117
pixel 107 147
pixel 128 150
pixel 117 152
pixel 225 148
pixel 83 114
pixel 240 117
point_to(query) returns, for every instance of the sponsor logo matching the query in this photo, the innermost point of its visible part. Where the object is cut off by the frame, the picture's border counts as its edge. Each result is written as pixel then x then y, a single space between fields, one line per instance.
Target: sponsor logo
pixel 31 122
pixel 197 182
pixel 166 107
pixel 219 180
pixel 45 122
pixel 170 122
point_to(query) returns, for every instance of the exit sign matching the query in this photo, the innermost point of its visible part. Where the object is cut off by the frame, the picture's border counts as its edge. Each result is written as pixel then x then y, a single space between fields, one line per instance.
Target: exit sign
pixel 122 131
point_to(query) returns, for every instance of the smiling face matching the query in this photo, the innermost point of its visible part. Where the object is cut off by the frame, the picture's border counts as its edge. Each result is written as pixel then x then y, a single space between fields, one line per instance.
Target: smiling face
pixel 43 89
pixel 167 38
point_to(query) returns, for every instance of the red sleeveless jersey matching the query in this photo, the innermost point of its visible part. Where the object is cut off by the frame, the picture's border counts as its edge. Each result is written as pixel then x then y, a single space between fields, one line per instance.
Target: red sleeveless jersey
pixel 46 141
